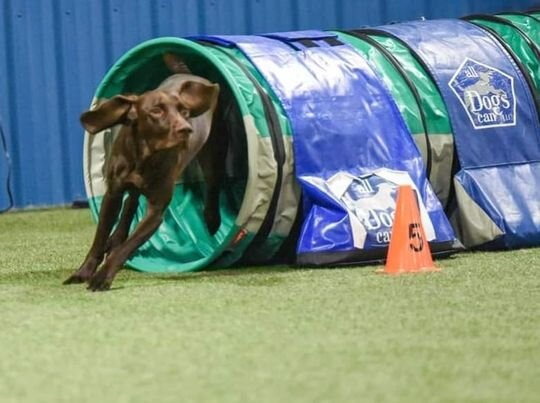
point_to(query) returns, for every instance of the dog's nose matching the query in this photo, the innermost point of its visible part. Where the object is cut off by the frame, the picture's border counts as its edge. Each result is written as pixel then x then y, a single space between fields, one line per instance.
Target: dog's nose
pixel 182 127
pixel 185 133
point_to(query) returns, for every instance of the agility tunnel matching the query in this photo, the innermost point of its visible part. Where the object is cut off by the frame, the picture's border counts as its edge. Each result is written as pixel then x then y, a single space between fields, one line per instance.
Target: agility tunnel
pixel 324 126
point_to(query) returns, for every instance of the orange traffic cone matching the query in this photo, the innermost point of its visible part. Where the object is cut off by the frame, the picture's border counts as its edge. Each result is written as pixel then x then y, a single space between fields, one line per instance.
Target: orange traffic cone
pixel 409 249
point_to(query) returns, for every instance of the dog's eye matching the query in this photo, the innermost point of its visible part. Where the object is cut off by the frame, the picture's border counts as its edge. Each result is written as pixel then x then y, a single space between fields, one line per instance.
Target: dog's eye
pixel 157 111
pixel 184 113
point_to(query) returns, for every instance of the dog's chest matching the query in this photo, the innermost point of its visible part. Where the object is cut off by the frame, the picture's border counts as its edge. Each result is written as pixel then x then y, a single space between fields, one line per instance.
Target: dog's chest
pixel 157 170
pixel 135 179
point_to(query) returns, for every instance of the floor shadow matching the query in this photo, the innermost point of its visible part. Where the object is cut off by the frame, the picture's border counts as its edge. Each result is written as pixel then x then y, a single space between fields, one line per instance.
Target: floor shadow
pixel 226 272
pixel 264 275
pixel 34 276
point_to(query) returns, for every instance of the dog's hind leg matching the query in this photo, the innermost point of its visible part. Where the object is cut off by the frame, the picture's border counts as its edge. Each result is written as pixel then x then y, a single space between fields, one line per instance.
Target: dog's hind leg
pixel 212 159
pixel 121 231
pixel 110 207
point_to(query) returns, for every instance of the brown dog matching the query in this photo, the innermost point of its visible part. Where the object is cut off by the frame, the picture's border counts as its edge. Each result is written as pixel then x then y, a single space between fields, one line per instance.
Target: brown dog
pixel 163 130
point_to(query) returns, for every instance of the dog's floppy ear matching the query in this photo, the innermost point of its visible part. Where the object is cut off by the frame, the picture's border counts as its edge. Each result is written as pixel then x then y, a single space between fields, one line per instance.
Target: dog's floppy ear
pixel 109 113
pixel 198 97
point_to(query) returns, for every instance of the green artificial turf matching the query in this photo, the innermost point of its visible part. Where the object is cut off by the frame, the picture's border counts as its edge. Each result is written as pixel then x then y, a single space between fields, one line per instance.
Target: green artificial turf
pixel 470 333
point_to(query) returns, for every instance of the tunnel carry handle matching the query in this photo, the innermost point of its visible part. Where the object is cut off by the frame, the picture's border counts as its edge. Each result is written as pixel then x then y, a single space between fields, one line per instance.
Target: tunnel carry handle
pixel 301 40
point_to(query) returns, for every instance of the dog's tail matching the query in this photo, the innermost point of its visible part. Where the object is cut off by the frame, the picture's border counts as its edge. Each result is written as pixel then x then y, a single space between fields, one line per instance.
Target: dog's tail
pixel 175 64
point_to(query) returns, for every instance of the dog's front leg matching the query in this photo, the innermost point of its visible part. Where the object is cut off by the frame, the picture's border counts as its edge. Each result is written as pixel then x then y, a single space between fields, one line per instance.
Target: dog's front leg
pixel 110 207
pixel 121 231
pixel 103 278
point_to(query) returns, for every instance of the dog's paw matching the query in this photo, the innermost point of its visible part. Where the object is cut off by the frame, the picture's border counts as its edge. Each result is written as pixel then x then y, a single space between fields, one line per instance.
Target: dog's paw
pixel 75 278
pixel 84 273
pixel 100 281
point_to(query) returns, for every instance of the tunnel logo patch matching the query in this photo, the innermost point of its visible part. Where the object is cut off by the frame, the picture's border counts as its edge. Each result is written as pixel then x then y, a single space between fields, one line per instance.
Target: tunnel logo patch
pixel 486 93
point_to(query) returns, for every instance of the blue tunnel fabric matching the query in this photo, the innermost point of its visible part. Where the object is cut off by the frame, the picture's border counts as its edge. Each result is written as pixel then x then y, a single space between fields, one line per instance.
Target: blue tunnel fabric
pixel 494 120
pixel 352 147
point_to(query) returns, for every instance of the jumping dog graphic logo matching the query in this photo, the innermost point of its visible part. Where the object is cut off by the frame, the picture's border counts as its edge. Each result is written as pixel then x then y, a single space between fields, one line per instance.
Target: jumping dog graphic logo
pixel 486 93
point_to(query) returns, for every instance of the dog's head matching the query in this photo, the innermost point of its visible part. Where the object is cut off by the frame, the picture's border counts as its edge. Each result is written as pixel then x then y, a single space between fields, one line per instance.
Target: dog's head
pixel 160 117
